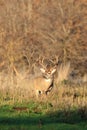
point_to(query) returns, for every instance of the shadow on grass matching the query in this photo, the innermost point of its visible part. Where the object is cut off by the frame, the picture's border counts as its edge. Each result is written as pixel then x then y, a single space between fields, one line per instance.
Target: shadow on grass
pixel 68 117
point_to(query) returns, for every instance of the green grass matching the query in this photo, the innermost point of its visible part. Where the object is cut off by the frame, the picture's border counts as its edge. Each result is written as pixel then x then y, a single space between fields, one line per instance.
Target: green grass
pixel 39 116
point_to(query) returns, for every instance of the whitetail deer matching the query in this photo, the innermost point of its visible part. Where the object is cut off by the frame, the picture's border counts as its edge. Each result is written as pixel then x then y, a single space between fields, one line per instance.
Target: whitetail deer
pixel 44 83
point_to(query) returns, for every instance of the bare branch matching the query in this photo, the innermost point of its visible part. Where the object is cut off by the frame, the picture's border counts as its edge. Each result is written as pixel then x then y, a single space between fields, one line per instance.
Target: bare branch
pixel 16 72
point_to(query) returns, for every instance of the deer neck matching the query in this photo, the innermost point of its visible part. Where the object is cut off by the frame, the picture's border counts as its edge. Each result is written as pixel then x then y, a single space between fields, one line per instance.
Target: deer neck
pixel 48 79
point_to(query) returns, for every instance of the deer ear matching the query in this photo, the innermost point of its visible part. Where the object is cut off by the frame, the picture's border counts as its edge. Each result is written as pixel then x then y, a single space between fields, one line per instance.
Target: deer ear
pixel 42 70
pixel 53 71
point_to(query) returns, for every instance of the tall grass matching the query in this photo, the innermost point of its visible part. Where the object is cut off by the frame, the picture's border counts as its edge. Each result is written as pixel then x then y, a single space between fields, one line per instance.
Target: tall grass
pixel 32 28
pixel 64 94
pixel 63 72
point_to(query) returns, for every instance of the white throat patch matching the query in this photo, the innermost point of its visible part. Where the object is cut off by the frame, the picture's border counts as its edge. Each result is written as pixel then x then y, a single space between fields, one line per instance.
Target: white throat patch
pixel 48 80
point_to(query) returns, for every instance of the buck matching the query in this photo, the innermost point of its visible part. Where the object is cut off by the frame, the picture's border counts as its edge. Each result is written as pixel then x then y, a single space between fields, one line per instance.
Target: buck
pixel 44 83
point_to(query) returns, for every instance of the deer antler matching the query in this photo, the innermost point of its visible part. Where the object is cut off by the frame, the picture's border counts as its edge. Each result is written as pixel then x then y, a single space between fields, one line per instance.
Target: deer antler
pixel 56 60
pixel 40 61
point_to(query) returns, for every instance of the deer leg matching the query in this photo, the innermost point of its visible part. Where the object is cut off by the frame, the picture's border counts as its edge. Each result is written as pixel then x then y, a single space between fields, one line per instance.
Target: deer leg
pixel 49 89
pixel 38 92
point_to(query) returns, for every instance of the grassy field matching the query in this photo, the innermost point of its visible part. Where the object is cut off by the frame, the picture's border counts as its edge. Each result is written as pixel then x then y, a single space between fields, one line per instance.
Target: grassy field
pixel 65 108
pixel 43 30
pixel 25 118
